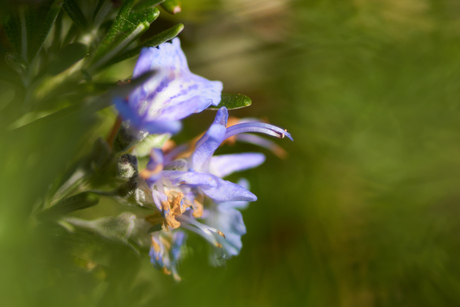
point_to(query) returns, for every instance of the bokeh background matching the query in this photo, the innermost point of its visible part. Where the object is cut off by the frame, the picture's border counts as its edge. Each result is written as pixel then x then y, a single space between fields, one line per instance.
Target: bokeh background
pixel 364 210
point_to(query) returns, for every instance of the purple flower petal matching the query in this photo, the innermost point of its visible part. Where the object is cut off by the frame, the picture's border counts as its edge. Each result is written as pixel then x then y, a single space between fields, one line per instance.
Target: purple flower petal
pixel 236 204
pixel 166 250
pixel 173 93
pixel 210 141
pixel 257 127
pixel 167 55
pixel 230 221
pixel 224 165
pixel 155 165
pixel 162 126
pixel 228 191
pixel 192 179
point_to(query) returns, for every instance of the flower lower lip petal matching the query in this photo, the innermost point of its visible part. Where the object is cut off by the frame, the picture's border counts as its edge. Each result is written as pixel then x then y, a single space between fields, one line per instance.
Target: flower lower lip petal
pixel 259 128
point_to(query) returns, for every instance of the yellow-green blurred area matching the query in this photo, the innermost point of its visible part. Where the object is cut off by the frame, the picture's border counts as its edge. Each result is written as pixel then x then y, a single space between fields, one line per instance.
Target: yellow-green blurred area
pixel 364 210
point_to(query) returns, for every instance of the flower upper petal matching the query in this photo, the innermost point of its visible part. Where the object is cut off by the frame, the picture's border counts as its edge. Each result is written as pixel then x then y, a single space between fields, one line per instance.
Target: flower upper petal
pixel 167 55
pixel 173 93
pixel 192 179
pixel 228 191
pixel 210 141
pixel 224 165
pixel 230 222
pixel 236 204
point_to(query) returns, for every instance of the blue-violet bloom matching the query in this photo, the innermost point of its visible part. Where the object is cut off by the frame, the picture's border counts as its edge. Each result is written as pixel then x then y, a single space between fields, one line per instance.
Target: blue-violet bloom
pixel 173 93
pixel 228 219
pixel 205 171
pixel 166 251
pixel 180 186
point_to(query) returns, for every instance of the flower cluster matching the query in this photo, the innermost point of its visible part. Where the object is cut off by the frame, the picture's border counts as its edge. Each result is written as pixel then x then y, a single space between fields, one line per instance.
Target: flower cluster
pixel 186 183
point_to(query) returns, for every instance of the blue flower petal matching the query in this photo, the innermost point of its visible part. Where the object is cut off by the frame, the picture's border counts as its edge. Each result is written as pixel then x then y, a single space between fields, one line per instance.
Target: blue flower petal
pixel 236 204
pixel 225 165
pixel 210 141
pixel 259 128
pixel 162 126
pixel 192 179
pixel 167 55
pixel 166 250
pixel 125 110
pixel 173 93
pixel 230 222
pixel 228 191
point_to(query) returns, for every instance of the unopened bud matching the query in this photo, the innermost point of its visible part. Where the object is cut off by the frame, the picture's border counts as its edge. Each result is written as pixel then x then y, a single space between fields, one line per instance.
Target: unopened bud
pixel 126 138
pixel 127 166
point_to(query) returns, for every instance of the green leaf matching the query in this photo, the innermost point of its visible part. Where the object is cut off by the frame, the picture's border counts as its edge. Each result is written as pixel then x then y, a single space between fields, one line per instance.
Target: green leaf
pixel 56 44
pixel 147 15
pixel 117 228
pixel 73 10
pixel 27 18
pixel 156 227
pixel 46 28
pixel 19 29
pixel 172 6
pixel 66 57
pixel 12 26
pixel 233 101
pixel 119 44
pixel 151 42
pixel 115 29
pixel 16 62
pixel 103 9
pixel 71 34
pixel 77 202
pixel 146 4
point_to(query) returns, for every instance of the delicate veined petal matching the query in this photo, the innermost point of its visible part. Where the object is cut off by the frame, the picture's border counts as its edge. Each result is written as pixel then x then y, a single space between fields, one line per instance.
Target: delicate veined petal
pixel 158 198
pixel 193 179
pixel 226 218
pixel 166 251
pixel 202 155
pixel 178 240
pixel 173 153
pixel 225 165
pixel 157 252
pixel 228 191
pixel 257 127
pixel 167 55
pixel 208 233
pixel 124 109
pixel 172 94
pixel 152 173
pixel 162 126
pixel 210 141
pixel 218 189
pixel 237 204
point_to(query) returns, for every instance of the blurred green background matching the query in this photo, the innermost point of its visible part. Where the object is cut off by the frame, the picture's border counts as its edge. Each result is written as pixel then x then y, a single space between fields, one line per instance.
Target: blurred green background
pixel 365 210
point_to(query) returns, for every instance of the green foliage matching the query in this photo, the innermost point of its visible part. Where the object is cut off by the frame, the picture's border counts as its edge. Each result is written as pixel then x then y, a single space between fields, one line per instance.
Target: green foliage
pixel 151 42
pixel 233 101
pixel 45 29
pixel 172 6
pixel 66 57
pixel 74 12
pixel 51 102
pixel 364 212
pixel 80 201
